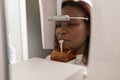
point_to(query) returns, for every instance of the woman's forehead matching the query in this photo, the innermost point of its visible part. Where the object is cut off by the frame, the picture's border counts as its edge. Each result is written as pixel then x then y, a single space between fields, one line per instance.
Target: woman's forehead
pixel 73 11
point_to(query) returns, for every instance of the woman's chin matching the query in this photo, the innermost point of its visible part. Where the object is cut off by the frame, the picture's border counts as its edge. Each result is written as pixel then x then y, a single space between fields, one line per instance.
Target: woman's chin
pixel 67 47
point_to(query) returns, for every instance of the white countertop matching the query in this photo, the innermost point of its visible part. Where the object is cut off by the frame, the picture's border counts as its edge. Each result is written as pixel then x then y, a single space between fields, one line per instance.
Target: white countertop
pixel 41 69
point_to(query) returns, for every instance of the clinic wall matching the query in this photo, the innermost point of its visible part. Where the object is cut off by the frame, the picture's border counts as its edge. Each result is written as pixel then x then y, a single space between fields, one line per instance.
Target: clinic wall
pixel 34 30
pixel 12 8
pixel 3 45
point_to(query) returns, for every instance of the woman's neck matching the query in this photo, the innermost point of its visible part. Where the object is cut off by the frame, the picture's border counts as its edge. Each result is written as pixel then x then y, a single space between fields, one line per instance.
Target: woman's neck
pixel 81 50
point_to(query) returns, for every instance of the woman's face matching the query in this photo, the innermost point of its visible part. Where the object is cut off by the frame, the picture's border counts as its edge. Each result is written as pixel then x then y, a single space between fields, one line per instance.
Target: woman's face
pixel 73 32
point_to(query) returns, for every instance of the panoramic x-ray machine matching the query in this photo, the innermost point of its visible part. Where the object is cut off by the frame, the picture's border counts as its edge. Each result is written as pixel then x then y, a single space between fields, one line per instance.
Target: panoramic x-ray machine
pixel 105 39
pixel 104 46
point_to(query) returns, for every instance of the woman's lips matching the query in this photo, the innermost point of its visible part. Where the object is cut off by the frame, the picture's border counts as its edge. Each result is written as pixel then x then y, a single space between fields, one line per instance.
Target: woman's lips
pixel 65 40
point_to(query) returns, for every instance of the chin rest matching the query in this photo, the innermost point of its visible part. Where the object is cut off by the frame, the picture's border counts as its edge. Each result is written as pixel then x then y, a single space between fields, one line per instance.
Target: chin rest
pixel 64 56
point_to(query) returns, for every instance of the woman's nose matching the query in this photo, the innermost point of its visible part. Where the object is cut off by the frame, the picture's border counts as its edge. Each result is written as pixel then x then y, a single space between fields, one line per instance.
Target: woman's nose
pixel 62 30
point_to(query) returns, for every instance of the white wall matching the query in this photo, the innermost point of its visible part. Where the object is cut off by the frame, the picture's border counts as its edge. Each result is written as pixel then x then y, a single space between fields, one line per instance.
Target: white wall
pixel 3 44
pixel 18 30
pixel 14 25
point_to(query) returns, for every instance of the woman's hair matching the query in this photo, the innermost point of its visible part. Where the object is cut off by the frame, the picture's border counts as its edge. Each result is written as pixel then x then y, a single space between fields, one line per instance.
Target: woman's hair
pixel 85 7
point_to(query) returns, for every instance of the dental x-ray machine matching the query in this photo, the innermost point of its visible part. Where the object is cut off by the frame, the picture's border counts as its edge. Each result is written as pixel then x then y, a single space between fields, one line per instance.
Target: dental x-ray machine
pixel 104 58
pixel 105 40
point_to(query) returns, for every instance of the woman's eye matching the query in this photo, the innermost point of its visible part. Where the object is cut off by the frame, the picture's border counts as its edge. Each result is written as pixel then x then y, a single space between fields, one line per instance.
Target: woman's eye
pixel 69 24
pixel 72 24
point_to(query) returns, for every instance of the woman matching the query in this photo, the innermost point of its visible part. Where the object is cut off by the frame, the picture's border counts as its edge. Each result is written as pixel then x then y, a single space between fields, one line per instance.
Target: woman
pixel 75 32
